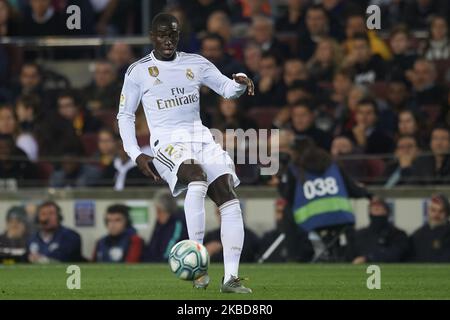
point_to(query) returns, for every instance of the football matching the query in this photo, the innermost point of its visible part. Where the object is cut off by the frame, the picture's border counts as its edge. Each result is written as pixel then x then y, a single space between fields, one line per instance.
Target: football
pixel 188 260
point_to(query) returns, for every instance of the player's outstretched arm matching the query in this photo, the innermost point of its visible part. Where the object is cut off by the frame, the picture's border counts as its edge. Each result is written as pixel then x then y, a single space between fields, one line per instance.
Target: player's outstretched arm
pixel 222 85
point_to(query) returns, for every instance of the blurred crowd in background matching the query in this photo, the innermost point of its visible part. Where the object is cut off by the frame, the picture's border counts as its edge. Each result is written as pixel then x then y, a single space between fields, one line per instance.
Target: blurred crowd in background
pixel 40 236
pixel 376 100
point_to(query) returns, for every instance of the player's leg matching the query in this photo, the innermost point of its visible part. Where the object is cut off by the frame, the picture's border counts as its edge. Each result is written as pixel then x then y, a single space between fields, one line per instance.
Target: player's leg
pixel 192 175
pixel 221 191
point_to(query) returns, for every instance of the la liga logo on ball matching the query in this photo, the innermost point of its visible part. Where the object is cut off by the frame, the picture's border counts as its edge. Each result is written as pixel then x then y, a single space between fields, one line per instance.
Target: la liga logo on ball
pixel 188 260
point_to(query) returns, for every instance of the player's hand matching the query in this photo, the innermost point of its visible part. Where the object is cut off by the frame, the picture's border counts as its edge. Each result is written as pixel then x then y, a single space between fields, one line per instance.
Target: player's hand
pixel 247 81
pixel 142 162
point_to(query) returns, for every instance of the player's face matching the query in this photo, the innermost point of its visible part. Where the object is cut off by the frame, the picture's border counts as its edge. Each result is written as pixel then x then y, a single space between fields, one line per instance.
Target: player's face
pixel 165 39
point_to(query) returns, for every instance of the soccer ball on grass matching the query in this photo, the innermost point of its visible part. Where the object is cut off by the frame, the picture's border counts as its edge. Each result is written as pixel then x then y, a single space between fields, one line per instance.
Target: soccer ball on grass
pixel 188 260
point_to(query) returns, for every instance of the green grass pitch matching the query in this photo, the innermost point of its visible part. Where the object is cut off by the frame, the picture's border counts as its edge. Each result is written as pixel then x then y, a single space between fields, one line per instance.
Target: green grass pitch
pixel 268 281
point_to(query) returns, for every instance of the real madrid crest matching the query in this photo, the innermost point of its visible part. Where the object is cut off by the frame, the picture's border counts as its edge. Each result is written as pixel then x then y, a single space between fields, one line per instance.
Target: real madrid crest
pixel 189 74
pixel 154 72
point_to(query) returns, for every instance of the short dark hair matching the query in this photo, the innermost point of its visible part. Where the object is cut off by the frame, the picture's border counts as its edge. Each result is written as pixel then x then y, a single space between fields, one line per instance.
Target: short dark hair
pixel 371 102
pixel 71 94
pixel 309 157
pixel 214 36
pixel 305 85
pixel 361 36
pixel 8 138
pixel 163 18
pixel 30 101
pixel 272 55
pixel 118 208
pixel 111 132
pixel 400 28
pixel 320 7
pixel 50 203
pixel 34 65
pixel 441 127
pixel 408 136
pixel 121 209
pixel 304 103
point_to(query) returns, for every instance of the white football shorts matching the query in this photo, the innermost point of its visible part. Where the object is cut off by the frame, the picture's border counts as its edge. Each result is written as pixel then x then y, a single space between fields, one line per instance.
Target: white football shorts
pixel 214 161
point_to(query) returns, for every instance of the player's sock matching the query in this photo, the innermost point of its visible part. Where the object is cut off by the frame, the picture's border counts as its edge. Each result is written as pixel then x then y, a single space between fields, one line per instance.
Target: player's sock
pixel 232 236
pixel 194 209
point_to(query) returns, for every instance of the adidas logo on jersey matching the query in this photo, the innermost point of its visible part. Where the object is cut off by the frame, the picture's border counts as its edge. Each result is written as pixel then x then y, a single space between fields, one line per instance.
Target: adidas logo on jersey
pixel 157 81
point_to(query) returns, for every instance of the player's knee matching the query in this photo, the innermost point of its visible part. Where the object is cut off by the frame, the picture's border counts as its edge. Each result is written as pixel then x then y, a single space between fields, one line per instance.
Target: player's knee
pixel 223 196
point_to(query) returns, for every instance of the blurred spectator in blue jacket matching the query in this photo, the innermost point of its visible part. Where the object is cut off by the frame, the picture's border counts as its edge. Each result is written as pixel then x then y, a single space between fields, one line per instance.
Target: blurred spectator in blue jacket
pixel 53 242
pixel 169 229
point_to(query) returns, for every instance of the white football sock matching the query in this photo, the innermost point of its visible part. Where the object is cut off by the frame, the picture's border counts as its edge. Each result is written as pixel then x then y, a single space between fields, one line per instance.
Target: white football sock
pixel 232 235
pixel 194 209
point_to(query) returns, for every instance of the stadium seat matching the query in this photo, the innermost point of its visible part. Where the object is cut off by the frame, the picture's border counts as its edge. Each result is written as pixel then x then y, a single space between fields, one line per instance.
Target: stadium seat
pixel 263 116
pixel 90 142
pixel 375 170
pixel 443 70
pixel 45 169
pixel 107 117
pixel 290 39
pixel 379 89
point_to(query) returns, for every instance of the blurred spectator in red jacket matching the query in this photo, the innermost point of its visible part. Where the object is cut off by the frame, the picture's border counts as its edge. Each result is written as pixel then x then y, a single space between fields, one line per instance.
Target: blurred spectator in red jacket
pixel 122 243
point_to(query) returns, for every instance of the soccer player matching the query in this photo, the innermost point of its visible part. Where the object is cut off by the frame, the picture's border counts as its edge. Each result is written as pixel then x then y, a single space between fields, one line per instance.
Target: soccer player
pixel 184 152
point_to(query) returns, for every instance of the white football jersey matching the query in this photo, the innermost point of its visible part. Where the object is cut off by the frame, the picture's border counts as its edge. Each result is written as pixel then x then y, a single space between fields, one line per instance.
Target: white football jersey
pixel 170 95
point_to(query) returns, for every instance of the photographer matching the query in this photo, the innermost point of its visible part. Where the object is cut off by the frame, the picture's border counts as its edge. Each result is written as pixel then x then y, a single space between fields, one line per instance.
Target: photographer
pixel 318 194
